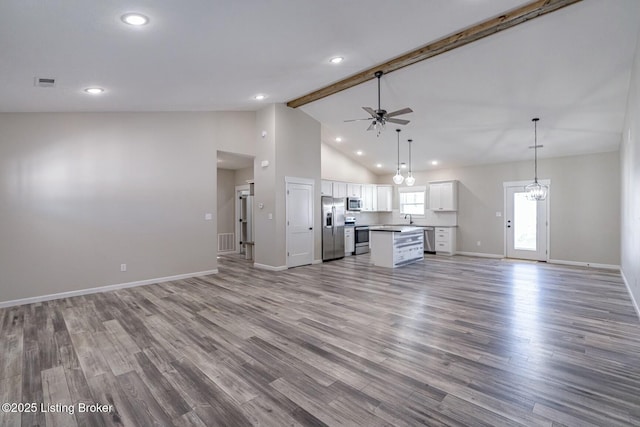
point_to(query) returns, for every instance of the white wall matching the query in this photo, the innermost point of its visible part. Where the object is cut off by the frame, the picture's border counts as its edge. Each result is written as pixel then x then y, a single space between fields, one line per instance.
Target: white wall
pixel 226 217
pixel 243 175
pixel 265 188
pixel 630 182
pixel 83 193
pixel 338 167
pixel 292 147
pixel 583 228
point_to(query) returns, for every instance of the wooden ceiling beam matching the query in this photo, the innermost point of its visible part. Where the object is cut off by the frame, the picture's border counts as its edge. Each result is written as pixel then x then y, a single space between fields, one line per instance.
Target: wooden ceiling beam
pixel 465 36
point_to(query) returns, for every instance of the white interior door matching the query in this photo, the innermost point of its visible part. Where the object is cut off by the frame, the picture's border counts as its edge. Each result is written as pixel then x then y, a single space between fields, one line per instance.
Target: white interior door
pixel 299 224
pixel 525 225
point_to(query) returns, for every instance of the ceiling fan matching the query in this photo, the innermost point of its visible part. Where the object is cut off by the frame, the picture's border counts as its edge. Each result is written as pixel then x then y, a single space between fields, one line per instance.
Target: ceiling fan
pixel 380 117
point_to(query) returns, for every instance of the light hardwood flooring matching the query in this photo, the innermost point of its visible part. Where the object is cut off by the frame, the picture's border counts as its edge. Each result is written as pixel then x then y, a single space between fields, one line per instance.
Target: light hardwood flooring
pixel 450 341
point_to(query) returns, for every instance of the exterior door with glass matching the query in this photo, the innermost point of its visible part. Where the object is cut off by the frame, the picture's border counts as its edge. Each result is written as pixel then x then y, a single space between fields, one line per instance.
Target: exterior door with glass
pixel 526 225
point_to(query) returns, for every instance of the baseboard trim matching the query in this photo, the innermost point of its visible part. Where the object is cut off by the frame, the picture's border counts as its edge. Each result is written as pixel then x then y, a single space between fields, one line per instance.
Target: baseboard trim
pixel 584 264
pixel 68 294
pixel 269 267
pixel 633 300
pixel 480 254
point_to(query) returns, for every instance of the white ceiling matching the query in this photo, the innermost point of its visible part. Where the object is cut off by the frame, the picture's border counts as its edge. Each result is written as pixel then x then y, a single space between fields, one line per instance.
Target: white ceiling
pixel 472 105
pixel 233 161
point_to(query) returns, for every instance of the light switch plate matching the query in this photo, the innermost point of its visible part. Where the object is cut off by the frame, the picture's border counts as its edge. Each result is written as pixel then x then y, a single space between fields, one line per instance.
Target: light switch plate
pixel 270 216
pixel 498 214
pixel 208 217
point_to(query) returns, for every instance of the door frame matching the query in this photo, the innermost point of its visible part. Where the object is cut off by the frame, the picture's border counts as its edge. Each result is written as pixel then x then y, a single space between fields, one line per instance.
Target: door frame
pixel 239 189
pixel 307 181
pixel 523 184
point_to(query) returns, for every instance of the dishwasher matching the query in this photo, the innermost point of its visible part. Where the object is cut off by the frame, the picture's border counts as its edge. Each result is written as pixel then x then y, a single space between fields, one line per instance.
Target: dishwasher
pixel 430 240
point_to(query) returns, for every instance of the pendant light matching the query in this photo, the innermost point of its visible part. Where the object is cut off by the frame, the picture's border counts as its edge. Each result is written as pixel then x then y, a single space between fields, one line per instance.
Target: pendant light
pixel 398 178
pixel 410 179
pixel 536 191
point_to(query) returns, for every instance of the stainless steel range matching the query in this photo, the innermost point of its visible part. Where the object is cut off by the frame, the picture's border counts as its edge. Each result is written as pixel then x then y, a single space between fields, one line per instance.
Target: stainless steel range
pixel 362 239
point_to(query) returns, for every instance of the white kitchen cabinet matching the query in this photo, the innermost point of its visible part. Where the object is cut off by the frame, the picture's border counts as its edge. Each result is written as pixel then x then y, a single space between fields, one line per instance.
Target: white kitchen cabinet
pixel 443 196
pixel 354 190
pixel 326 188
pixel 445 240
pixel 349 241
pixel 369 198
pixel 384 194
pixel 339 189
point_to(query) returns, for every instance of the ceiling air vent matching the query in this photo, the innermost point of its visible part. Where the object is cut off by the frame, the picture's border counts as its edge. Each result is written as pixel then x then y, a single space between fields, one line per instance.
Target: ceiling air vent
pixel 44 82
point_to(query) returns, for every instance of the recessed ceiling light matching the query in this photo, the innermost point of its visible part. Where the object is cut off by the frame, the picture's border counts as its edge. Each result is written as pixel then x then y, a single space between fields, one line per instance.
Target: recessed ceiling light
pixel 336 60
pixel 359 153
pixel 338 139
pixel 259 97
pixel 135 19
pixel 379 165
pixel 94 90
pixel 434 162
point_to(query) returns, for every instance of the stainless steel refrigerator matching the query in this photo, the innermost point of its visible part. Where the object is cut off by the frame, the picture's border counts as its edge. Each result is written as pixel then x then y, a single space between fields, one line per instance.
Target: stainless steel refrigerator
pixel 332 228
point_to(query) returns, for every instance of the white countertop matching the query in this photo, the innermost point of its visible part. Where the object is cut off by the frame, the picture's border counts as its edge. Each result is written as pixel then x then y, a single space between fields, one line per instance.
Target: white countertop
pixel 396 228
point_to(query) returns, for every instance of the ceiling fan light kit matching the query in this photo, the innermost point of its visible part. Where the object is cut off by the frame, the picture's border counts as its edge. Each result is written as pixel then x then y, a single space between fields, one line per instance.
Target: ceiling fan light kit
pixel 398 178
pixel 536 191
pixel 379 118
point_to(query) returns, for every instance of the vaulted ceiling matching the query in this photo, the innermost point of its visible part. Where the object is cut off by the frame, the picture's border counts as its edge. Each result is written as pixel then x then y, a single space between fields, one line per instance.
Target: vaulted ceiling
pixel 471 105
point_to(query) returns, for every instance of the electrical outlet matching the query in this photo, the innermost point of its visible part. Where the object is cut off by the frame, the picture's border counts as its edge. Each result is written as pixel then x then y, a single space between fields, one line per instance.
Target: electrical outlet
pixel 498 214
pixel 208 217
pixel 123 267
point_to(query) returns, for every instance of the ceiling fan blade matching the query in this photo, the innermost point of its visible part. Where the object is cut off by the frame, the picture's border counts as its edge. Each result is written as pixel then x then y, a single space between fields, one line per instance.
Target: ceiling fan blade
pixel 398 121
pixel 370 111
pixel 399 112
pixel 357 120
pixel 372 125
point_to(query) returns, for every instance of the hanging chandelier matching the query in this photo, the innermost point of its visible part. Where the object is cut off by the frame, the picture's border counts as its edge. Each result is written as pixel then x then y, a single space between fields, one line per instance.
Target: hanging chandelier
pixel 398 178
pixel 535 190
pixel 410 180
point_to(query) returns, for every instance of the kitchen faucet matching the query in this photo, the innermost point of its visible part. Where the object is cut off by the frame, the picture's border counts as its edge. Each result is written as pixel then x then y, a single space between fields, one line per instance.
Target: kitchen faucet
pixel 410 218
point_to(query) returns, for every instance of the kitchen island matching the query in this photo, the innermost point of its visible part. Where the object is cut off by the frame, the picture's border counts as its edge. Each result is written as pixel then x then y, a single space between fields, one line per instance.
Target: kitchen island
pixel 394 246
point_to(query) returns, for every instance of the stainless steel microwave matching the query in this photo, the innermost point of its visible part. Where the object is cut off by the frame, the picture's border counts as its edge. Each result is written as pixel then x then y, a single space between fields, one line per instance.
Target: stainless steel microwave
pixel 354 204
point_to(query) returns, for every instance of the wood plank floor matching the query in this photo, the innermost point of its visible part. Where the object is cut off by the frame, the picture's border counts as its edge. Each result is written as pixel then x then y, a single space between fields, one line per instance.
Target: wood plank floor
pixel 453 341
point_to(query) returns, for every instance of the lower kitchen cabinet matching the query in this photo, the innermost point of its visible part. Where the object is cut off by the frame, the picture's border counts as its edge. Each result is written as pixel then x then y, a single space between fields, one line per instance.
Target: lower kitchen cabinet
pixel 445 240
pixel 349 241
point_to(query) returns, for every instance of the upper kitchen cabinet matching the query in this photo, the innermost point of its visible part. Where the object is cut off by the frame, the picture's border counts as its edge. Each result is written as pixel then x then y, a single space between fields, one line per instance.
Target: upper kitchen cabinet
pixel 339 189
pixel 354 190
pixel 326 188
pixel 369 198
pixel 443 196
pixel 384 195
